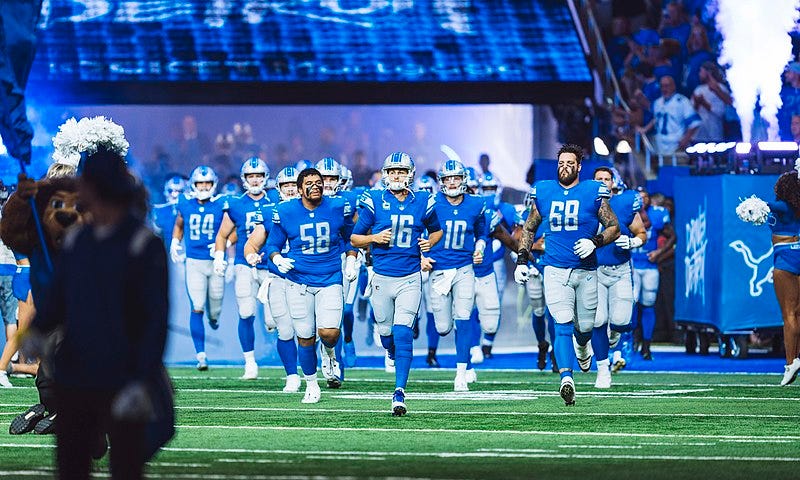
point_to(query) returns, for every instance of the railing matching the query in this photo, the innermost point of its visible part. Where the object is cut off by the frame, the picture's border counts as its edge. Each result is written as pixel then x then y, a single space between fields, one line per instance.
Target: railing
pixel 643 147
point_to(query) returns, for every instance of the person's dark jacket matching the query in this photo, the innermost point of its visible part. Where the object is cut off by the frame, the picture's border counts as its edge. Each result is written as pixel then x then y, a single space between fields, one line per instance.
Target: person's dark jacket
pixel 109 296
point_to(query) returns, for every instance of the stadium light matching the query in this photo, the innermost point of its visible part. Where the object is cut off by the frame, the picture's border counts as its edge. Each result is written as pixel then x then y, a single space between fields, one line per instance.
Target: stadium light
pixel 623 147
pixel 600 147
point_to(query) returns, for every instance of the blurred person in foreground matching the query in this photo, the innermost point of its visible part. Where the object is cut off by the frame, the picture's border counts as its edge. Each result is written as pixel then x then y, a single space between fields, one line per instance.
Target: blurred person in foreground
pixel 109 374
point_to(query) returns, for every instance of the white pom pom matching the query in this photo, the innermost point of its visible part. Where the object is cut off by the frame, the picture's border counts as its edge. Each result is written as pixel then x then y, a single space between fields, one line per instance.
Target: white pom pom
pixel 86 136
pixel 753 210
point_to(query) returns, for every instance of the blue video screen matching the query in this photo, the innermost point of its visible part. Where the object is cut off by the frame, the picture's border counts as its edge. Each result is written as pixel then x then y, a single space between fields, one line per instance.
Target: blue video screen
pixel 408 41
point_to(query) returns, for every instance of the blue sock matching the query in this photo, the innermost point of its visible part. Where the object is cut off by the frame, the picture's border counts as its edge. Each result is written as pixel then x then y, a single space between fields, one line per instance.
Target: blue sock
pixel 621 328
pixel 430 331
pixel 648 322
pixel 337 350
pixel 565 352
pixel 247 333
pixel 600 343
pixel 348 320
pixel 551 325
pixel 198 331
pixel 388 343
pixel 308 359
pixel 538 327
pixel 403 343
pixel 287 350
pixel 462 340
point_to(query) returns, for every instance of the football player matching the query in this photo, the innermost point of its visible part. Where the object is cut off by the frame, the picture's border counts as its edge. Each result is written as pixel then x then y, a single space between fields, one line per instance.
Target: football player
pixel 164 214
pixel 614 283
pixel 645 267
pixel 491 190
pixel 317 228
pixel 452 280
pixel 573 210
pixel 244 213
pixel 198 220
pixel 397 218
pixel 278 316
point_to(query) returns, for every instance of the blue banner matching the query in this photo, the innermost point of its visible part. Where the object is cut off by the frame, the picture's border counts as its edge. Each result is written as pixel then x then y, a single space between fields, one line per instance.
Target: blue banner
pixel 723 265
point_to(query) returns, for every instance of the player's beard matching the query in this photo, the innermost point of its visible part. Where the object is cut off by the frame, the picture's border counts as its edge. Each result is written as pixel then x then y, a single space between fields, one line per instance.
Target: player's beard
pixel 567 175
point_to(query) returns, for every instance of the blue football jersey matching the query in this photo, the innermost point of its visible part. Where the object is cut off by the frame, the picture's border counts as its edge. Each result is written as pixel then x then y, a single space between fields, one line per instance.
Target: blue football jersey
pixel 507 214
pixel 379 210
pixel 201 223
pixel 463 224
pixel 273 195
pixel 315 239
pixel 625 206
pixel 568 214
pixel 659 217
pixel 164 216
pixel 245 213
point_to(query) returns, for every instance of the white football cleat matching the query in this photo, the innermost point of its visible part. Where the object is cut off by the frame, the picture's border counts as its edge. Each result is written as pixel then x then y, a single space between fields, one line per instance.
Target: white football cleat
pixel 202 362
pixel 476 354
pixel 330 369
pixel 250 371
pixel 584 354
pixel 292 383
pixel 4 383
pixel 388 363
pixel 603 375
pixel 313 393
pixel 460 383
pixel 790 372
pixel 472 377
pixel 567 391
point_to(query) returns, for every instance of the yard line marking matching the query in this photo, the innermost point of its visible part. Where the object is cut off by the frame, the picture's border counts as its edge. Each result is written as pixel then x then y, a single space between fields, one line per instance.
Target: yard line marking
pixel 614 447
pixel 177 464
pixel 690 444
pixel 501 432
pixel 257 460
pixel 473 412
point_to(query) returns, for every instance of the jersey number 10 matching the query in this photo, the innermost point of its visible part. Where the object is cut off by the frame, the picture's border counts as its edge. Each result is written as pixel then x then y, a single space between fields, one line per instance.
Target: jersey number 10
pixel 564 215
pixel 454 234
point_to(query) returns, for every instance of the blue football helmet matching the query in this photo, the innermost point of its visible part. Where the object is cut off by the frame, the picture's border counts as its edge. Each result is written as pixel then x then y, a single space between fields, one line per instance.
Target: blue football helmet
pixel 472 180
pixel 303 164
pixel 200 174
pixel 490 187
pixel 173 188
pixel 425 184
pixel 398 161
pixel 452 168
pixel 346 180
pixel 250 166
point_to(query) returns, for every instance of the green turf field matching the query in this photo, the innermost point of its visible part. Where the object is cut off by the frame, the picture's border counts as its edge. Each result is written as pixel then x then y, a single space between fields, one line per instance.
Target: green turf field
pixel 511 425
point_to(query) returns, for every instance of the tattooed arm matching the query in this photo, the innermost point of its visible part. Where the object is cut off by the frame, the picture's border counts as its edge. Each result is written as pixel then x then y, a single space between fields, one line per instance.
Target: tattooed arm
pixel 610 224
pixel 528 232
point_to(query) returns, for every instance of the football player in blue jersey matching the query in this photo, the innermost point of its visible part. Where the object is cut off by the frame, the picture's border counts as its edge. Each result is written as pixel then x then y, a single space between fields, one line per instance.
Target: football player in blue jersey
pixel 331 171
pixel 201 215
pixel 491 190
pixel 274 298
pixel 164 214
pixel 317 229
pixel 303 164
pixel 614 282
pixel 426 184
pixel 244 213
pixel 574 210
pixel 645 267
pixel 397 218
pixel 346 180
pixel 452 280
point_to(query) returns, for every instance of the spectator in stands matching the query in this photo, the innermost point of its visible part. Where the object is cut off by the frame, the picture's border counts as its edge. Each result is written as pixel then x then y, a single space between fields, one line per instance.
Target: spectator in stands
pixel 639 44
pixel 618 46
pixel 191 145
pixel 361 169
pixel 790 95
pixel 709 100
pixel 674 119
pixel 675 26
pixel 665 58
pixel 795 128
pixel 649 91
pixel 699 53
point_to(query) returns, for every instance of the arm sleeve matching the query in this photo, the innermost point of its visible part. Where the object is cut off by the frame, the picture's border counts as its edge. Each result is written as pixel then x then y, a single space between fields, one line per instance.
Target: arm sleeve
pixel 481 227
